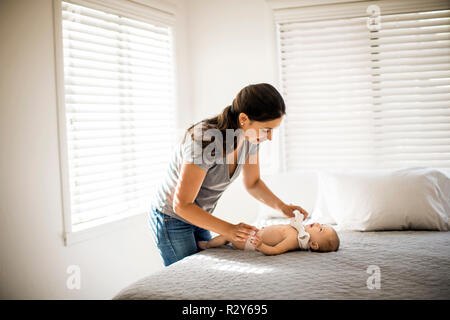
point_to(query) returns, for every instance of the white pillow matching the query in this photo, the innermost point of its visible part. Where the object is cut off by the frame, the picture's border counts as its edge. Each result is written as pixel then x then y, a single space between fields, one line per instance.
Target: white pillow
pixel 412 198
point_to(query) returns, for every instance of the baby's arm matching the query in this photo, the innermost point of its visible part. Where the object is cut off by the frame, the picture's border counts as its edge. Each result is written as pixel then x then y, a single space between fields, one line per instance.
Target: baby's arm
pixel 287 244
pixel 218 241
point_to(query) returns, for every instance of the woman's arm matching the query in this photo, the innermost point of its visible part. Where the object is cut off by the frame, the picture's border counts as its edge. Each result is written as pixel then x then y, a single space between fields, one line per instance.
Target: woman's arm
pixel 258 189
pixel 255 186
pixel 191 179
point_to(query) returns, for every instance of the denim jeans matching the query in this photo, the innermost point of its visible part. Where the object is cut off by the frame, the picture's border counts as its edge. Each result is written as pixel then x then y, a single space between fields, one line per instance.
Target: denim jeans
pixel 174 238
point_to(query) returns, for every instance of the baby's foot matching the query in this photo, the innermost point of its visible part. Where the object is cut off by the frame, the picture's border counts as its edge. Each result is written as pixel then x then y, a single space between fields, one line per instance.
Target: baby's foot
pixel 202 245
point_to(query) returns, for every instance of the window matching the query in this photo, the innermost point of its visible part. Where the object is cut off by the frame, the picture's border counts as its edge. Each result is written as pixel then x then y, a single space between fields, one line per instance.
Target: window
pixel 117 110
pixel 366 87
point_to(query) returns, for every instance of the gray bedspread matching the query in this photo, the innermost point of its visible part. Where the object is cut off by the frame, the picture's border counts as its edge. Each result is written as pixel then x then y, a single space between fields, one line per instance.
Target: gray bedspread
pixel 411 264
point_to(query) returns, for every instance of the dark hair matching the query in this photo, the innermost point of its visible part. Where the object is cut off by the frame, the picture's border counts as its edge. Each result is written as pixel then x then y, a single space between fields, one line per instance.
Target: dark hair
pixel 260 102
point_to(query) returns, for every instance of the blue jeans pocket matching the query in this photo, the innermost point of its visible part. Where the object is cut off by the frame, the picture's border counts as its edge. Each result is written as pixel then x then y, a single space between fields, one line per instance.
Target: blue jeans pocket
pixel 156 226
pixel 174 238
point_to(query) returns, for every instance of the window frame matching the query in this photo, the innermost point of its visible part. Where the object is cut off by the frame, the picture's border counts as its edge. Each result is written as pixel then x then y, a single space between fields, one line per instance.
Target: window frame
pixel 285 11
pixel 164 12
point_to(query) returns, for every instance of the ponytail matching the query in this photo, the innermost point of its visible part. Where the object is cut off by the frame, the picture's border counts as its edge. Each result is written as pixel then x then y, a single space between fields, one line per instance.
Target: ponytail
pixel 260 102
pixel 227 119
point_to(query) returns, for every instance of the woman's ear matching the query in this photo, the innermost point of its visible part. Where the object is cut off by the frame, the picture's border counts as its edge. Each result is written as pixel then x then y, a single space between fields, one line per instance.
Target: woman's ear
pixel 314 245
pixel 242 117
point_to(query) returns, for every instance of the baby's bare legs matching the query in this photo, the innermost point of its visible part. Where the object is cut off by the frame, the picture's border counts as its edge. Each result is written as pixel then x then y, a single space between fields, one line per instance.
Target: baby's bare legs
pixel 214 242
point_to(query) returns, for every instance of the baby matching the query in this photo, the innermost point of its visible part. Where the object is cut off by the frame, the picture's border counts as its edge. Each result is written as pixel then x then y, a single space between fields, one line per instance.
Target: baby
pixel 277 239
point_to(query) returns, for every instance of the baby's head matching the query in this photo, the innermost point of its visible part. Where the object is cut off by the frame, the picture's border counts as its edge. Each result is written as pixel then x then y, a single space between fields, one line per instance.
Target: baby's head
pixel 323 238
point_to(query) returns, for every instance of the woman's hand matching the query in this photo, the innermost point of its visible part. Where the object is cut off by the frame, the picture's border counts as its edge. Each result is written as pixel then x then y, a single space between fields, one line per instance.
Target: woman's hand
pixel 288 210
pixel 241 231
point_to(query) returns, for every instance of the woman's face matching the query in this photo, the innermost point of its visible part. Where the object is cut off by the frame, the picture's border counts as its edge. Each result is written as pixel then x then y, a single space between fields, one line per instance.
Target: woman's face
pixel 256 131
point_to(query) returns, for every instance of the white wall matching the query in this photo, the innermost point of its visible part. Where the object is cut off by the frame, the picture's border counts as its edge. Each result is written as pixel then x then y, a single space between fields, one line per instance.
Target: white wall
pixel 33 258
pixel 222 45
pixel 231 45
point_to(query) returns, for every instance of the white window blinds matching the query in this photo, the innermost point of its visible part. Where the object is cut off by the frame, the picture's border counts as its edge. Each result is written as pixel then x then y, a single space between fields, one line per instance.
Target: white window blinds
pixel 119 107
pixel 366 98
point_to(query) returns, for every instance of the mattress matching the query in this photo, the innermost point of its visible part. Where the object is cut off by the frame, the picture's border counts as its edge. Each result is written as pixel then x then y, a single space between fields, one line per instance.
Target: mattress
pixel 368 265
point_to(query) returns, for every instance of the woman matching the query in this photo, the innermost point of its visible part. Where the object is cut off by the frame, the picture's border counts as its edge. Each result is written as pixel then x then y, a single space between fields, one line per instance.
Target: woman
pixel 202 168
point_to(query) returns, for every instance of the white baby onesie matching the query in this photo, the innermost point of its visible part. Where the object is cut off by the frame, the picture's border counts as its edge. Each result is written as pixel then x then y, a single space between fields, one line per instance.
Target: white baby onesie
pixel 303 236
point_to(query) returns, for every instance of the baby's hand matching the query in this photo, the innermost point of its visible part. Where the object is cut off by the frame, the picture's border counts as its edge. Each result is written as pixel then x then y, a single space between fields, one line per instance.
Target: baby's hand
pixel 256 241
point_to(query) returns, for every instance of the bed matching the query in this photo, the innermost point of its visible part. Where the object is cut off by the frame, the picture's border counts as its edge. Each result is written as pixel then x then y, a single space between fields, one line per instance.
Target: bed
pixel 403 264
pixel 368 265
